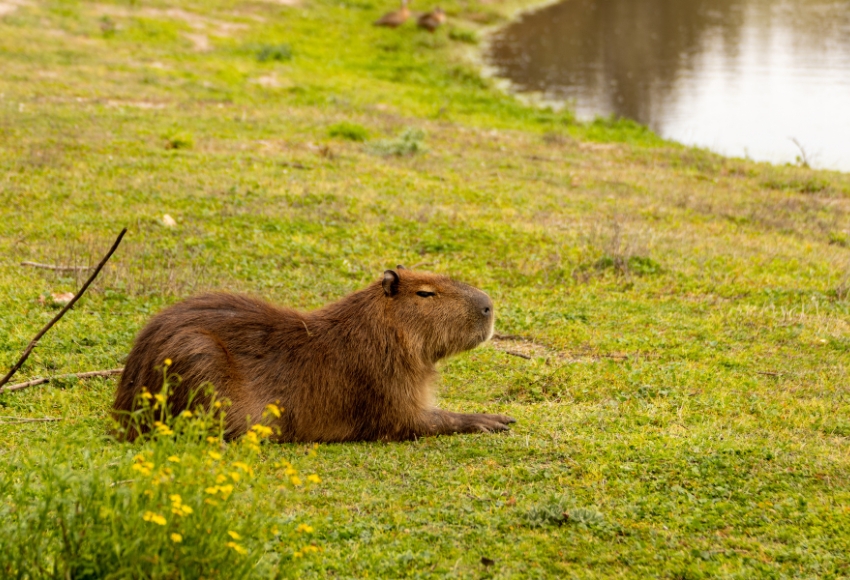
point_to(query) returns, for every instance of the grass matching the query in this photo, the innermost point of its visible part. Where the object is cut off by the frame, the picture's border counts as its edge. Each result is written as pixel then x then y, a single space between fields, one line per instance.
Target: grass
pixel 684 410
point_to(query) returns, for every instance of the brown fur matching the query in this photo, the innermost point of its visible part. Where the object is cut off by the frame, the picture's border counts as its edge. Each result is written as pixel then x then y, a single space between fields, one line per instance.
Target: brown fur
pixel 360 369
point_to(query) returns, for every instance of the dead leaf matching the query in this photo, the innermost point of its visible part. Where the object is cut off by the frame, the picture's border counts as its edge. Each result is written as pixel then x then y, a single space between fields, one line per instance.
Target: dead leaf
pixel 62 297
pixel 169 221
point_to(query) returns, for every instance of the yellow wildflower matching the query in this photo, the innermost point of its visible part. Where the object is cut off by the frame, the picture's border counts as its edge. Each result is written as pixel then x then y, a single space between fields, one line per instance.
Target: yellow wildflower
pixel 174 459
pixel 214 454
pixel 297 555
pixel 220 478
pixel 295 480
pixel 160 398
pixel 162 428
pixel 212 439
pixel 273 409
pixel 154 518
pixel 234 475
pixel 168 362
pixel 176 538
pixel 262 430
pixel 308 549
pixel 146 395
pixel 304 528
pixel 313 478
pixel 234 535
pixel 236 548
pixel 187 413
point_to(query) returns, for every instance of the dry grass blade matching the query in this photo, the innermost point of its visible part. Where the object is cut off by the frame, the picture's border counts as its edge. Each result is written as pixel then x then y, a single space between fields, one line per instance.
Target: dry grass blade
pixel 19 420
pixel 57 268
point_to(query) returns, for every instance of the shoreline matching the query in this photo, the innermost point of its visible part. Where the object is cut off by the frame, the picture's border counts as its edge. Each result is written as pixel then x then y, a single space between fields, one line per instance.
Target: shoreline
pixel 512 11
pixel 475 55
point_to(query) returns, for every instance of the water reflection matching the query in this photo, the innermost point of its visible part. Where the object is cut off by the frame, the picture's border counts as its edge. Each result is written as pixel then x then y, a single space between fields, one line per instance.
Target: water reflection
pixel 742 77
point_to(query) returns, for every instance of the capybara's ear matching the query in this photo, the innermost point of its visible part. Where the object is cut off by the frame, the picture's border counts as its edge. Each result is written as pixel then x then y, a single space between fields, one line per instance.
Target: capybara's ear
pixel 390 283
pixel 400 267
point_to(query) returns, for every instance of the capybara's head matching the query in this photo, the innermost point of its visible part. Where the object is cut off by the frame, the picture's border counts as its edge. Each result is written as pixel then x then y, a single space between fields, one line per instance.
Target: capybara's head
pixel 443 316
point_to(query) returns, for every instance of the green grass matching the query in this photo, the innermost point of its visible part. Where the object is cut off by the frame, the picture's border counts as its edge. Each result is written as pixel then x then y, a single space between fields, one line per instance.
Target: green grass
pixel 683 413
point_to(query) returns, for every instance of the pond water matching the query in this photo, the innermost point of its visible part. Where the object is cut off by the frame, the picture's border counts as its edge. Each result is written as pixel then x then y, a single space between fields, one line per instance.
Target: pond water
pixel 750 78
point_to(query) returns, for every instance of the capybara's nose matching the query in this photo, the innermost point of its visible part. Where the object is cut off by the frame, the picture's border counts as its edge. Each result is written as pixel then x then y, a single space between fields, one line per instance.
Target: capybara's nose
pixel 483 304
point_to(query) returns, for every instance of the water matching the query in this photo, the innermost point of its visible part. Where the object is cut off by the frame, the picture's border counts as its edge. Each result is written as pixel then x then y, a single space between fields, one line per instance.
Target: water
pixel 742 77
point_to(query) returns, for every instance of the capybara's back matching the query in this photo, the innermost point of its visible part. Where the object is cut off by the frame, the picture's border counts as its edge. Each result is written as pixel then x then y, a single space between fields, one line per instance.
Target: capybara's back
pixel 358 369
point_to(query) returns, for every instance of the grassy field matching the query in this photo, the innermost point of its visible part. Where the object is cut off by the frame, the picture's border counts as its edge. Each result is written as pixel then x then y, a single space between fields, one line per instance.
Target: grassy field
pixel 683 409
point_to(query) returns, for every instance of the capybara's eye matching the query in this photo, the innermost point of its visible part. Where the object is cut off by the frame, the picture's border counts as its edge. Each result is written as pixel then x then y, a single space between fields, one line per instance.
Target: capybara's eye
pixel 424 294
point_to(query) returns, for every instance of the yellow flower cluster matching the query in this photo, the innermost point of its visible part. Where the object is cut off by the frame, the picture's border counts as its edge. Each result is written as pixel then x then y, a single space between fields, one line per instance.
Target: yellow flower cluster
pixel 141 465
pixel 162 428
pixel 292 474
pixel 178 507
pixel 223 491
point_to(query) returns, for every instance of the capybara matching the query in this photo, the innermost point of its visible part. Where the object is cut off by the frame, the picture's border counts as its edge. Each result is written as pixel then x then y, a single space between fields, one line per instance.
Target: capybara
pixel 360 369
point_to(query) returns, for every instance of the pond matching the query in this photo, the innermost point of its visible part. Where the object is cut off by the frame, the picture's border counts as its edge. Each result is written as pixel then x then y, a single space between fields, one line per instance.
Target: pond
pixel 764 79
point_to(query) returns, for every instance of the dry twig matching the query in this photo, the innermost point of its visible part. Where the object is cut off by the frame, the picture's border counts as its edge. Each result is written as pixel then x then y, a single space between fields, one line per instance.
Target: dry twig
pixel 57 268
pixel 42 380
pixel 519 354
pixel 67 307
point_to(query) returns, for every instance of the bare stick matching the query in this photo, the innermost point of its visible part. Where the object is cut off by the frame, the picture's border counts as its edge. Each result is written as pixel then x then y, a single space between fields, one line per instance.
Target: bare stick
pixel 519 354
pixel 68 306
pixel 16 420
pixel 43 380
pixel 57 268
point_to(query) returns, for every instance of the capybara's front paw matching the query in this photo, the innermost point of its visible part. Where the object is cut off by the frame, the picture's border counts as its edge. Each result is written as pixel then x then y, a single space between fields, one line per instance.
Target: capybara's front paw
pixel 485 423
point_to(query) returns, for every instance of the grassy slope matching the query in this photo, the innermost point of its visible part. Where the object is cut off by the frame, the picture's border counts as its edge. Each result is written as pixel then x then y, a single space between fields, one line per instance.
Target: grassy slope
pixel 697 401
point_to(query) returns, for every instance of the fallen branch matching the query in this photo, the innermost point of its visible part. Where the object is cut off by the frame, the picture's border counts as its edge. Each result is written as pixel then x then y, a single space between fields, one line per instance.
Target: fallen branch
pixel 16 420
pixel 519 354
pixel 42 380
pixel 57 268
pixel 67 307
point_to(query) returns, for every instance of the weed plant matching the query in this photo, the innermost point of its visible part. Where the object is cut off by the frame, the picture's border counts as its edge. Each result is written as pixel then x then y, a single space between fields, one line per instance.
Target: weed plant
pixel 180 503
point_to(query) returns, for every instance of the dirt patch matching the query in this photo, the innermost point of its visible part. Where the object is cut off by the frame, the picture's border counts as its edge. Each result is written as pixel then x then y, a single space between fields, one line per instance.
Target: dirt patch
pixel 9 6
pixel 523 347
pixel 135 104
pixel 203 25
pixel 200 42
pixel 271 81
